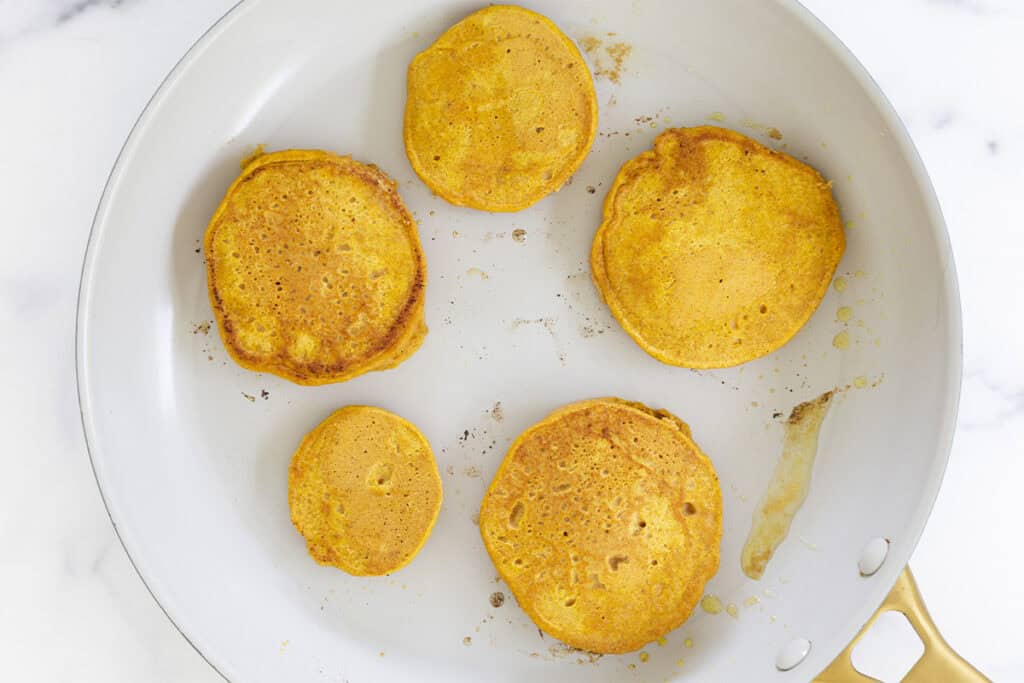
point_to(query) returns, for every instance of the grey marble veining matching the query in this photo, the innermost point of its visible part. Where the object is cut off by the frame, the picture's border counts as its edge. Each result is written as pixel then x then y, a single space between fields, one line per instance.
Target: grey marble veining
pixel 25 17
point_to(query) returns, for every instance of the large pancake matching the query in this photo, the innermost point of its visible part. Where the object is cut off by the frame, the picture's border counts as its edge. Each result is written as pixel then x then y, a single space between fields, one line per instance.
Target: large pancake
pixel 500 110
pixel 605 520
pixel 715 250
pixel 315 269
pixel 364 491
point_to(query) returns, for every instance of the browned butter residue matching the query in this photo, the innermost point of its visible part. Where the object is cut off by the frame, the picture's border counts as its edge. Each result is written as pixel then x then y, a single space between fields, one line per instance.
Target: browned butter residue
pixel 771 131
pixel 609 61
pixel 788 487
pixel 563 651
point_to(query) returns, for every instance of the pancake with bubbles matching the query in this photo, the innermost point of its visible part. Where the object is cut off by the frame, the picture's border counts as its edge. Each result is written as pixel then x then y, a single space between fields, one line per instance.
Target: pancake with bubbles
pixel 605 520
pixel 314 268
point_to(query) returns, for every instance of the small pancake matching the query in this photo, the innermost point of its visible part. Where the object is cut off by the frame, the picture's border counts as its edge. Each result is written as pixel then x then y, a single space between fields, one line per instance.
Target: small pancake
pixel 314 268
pixel 605 520
pixel 500 110
pixel 364 491
pixel 715 250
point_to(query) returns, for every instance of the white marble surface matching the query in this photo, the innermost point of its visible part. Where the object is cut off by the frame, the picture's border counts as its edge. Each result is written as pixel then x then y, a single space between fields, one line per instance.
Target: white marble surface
pixel 74 74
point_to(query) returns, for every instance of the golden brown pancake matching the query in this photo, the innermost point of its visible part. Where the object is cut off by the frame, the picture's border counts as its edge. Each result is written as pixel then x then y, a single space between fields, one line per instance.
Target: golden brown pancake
pixel 500 110
pixel 364 491
pixel 715 250
pixel 605 520
pixel 315 269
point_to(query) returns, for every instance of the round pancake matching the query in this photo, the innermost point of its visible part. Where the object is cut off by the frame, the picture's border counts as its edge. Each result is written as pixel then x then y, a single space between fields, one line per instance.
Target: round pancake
pixel 314 268
pixel 715 250
pixel 364 491
pixel 605 520
pixel 500 110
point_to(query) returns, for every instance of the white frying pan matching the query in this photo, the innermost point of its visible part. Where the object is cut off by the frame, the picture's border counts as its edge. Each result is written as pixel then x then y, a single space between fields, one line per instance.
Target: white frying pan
pixel 191 451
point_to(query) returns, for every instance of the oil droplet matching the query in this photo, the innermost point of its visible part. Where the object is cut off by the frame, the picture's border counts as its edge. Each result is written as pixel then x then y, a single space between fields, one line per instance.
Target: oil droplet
pixel 751 601
pixel 711 604
pixel 844 314
pixel 860 382
pixel 644 657
pixel 661 641
pixel 732 611
pixel 679 662
pixel 716 116
pixel 688 642
pixel 859 273
pixel 840 284
pixel 841 340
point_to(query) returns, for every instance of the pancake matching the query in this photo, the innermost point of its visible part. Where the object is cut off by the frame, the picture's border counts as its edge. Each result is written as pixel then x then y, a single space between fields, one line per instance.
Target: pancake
pixel 715 250
pixel 605 520
pixel 314 268
pixel 500 110
pixel 364 491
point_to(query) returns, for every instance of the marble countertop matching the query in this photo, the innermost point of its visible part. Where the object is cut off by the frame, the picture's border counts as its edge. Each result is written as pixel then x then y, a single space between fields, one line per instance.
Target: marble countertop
pixel 74 75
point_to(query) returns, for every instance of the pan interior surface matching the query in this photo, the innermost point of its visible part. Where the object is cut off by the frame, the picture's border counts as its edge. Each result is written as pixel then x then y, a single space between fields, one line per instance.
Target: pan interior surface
pixel 191 452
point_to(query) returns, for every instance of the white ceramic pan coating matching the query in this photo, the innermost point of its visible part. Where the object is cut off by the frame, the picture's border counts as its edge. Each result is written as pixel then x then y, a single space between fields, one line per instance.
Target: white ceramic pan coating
pixel 191 451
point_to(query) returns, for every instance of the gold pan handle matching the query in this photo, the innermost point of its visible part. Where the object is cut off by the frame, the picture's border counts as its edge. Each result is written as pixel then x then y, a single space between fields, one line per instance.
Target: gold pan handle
pixel 939 663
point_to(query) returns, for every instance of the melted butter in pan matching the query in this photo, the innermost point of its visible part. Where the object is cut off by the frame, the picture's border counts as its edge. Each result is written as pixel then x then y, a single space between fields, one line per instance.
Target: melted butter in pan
pixel 788 487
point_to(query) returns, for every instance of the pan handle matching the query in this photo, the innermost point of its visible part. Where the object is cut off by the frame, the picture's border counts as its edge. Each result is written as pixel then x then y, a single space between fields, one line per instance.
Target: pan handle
pixel 938 663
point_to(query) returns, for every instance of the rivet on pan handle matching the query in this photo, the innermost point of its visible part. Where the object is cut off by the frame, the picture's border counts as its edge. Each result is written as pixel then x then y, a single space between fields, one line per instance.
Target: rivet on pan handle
pixel 938 663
